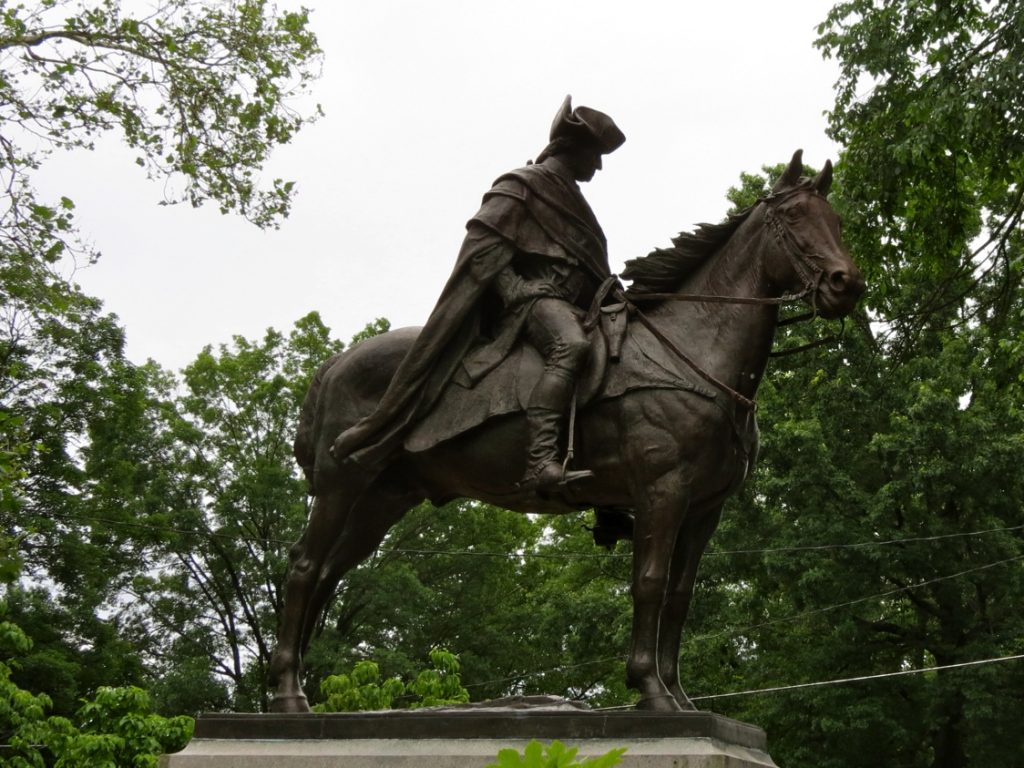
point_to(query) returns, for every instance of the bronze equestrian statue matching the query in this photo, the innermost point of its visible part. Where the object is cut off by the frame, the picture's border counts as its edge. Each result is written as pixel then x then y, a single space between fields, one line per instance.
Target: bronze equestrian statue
pixel 663 407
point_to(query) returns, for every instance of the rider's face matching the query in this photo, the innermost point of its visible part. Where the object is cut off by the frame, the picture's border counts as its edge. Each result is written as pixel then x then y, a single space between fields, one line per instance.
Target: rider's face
pixel 584 162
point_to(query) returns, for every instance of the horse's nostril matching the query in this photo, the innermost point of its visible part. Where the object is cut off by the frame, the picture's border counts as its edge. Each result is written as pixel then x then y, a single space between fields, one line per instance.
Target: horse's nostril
pixel 851 283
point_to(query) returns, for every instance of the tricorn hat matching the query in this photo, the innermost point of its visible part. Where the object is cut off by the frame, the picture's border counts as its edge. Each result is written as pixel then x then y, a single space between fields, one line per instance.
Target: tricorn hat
pixel 587 124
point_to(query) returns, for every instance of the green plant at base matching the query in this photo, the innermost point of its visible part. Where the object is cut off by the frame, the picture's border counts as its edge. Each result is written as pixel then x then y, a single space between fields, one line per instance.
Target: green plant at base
pixel 359 691
pixel 117 728
pixel 440 685
pixel 362 689
pixel 557 755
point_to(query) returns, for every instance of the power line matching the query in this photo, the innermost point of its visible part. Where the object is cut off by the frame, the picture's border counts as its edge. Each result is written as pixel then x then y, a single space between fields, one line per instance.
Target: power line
pixel 882 543
pixel 734 631
pixel 861 678
pixel 549 555
pixel 866 598
pixel 713 553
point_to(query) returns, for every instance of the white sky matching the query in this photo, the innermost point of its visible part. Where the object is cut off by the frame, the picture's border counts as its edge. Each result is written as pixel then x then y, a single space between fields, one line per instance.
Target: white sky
pixel 426 104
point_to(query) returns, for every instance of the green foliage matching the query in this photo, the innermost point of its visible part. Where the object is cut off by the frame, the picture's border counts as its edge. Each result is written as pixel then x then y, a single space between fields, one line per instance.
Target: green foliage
pixel 440 684
pixel 555 755
pixel 531 604
pixel 116 728
pixel 929 111
pixel 359 691
pixel 89 463
pixel 856 451
pixel 377 327
pixel 59 663
pixel 166 506
pixel 22 714
pixel 362 689
pixel 930 115
pixel 202 92
pixel 232 504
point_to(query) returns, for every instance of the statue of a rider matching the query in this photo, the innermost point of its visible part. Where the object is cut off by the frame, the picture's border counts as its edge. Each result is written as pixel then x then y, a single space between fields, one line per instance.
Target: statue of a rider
pixel 532 260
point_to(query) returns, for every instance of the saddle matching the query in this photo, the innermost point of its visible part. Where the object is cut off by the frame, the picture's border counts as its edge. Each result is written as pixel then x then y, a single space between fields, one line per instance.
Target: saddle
pixel 623 357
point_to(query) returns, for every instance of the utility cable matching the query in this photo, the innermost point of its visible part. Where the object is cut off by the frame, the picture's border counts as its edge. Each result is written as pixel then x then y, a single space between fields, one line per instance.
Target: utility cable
pixel 856 601
pixel 549 555
pixel 736 631
pixel 861 678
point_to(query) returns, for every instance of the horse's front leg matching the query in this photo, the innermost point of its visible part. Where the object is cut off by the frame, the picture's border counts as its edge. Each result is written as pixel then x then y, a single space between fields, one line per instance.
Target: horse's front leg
pixel 693 537
pixel 657 522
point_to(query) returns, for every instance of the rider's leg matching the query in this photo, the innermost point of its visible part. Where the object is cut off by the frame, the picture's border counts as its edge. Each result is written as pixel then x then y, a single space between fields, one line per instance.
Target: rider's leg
pixel 555 330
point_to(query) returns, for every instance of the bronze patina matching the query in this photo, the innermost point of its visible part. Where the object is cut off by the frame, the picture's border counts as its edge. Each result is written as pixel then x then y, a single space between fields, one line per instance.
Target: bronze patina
pixel 664 429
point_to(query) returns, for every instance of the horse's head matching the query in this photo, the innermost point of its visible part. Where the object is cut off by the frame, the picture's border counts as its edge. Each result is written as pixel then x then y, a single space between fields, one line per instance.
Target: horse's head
pixel 810 257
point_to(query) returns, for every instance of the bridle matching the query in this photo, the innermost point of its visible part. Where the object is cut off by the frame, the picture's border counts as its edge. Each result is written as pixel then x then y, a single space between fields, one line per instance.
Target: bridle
pixel 804 265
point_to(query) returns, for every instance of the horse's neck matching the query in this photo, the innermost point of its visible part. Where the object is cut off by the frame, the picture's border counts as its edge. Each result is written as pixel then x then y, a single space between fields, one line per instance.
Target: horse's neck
pixel 730 341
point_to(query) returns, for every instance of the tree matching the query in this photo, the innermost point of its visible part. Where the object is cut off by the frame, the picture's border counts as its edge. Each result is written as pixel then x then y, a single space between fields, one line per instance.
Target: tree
pixel 117 727
pixel 447 577
pixel 901 457
pixel 361 689
pixel 930 113
pixel 233 504
pixel 202 92
pixel 554 755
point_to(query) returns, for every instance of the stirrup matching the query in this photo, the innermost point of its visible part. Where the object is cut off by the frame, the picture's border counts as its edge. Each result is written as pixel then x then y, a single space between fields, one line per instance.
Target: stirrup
pixel 552 478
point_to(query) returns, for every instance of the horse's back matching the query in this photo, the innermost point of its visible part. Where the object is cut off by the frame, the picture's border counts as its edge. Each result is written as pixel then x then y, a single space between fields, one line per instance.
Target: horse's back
pixel 348 387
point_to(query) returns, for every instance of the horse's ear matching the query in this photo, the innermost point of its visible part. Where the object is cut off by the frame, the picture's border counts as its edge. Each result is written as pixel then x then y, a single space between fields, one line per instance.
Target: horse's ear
pixel 823 181
pixel 791 175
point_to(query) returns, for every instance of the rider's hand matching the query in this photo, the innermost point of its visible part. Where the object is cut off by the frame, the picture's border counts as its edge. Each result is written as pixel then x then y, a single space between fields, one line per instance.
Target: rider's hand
pixel 537 289
pixel 514 290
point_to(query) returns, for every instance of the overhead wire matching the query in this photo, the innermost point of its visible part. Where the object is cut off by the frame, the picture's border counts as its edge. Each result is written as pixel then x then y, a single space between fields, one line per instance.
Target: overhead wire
pixel 834 681
pixel 552 555
pixel 727 632
pixel 858 679
pixel 738 631
pixel 856 601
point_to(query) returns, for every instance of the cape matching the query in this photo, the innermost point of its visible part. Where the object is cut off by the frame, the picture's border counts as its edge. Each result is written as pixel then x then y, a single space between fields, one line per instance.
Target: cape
pixel 536 210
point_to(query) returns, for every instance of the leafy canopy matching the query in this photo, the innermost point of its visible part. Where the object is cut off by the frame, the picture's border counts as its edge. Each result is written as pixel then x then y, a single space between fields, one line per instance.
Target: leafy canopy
pixel 200 90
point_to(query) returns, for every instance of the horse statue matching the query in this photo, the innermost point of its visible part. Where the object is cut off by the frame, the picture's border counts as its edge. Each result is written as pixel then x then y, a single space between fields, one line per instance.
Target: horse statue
pixel 669 429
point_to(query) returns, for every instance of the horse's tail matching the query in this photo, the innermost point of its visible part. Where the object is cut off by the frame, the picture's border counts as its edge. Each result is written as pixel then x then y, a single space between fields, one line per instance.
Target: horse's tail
pixel 304 447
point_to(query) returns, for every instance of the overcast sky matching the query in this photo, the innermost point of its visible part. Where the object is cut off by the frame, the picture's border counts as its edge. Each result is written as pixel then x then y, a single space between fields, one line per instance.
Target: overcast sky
pixel 426 103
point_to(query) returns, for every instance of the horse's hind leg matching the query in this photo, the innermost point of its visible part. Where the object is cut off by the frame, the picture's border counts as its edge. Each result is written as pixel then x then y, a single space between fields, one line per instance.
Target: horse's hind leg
pixel 365 526
pixel 693 538
pixel 368 523
pixel 307 557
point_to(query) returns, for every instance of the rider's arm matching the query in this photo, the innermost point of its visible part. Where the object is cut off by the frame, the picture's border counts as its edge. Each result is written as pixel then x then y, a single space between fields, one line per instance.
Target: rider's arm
pixel 510 286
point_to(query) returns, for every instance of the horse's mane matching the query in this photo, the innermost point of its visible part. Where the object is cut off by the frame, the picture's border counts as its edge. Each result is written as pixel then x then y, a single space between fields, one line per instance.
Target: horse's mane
pixel 663 269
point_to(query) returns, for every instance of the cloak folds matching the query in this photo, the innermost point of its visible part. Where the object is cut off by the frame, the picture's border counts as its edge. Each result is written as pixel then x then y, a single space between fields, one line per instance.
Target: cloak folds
pixel 537 210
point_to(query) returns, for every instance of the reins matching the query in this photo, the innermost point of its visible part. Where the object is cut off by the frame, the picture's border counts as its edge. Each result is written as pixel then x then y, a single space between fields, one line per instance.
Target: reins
pixel 746 402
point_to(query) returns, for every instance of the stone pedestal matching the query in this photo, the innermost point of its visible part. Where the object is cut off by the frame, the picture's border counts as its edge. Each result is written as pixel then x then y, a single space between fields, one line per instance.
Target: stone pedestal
pixel 469 739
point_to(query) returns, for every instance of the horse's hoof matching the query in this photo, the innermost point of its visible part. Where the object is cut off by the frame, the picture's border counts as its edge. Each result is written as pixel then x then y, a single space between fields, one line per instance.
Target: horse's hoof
pixel 664 702
pixel 289 703
pixel 682 699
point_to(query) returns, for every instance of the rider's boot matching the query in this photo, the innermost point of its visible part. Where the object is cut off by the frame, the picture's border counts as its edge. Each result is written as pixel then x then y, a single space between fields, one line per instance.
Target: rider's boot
pixel 544 472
